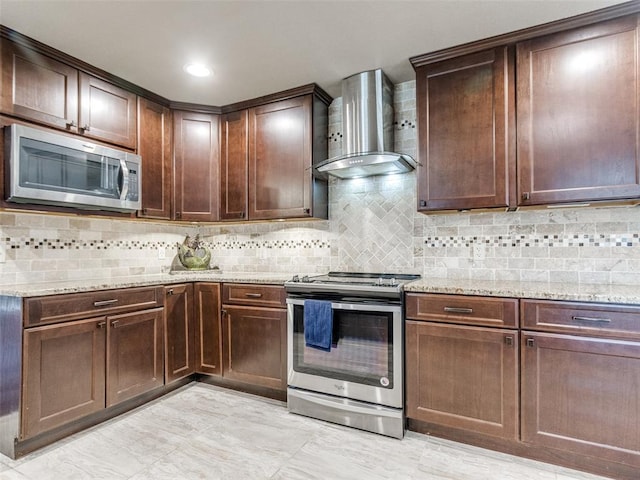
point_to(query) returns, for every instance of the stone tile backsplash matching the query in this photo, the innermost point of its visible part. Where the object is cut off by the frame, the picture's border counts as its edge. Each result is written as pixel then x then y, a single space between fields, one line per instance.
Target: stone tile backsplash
pixel 373 226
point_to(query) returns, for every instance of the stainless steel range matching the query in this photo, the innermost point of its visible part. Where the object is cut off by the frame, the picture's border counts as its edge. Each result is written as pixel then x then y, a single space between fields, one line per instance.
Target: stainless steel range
pixel 345 349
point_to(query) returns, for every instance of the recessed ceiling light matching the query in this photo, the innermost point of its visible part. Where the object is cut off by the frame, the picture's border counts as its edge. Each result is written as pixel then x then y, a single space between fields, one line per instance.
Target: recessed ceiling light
pixel 197 69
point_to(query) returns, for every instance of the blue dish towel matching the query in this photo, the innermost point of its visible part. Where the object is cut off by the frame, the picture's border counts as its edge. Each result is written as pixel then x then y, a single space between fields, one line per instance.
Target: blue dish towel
pixel 318 324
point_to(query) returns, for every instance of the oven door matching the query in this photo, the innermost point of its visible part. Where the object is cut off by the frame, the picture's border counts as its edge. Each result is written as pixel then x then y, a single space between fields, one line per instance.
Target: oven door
pixel 365 360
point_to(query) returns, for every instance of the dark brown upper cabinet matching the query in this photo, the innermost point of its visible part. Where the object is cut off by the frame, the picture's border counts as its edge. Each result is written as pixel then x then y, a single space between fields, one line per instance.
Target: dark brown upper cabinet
pixel 154 146
pixel 38 88
pixel 466 144
pixel 279 159
pixel 578 114
pixel 196 166
pixel 268 153
pixel 234 166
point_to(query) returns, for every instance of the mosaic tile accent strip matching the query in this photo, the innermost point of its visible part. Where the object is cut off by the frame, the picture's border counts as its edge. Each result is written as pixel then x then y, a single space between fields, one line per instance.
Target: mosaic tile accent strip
pixel 570 240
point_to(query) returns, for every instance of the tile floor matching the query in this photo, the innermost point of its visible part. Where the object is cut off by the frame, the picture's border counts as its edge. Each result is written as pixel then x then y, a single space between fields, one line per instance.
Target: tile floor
pixel 203 432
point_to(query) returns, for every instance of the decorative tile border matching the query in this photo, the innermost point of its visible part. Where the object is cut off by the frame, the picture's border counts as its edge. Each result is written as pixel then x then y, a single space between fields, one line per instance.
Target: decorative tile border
pixel 73 244
pixel 570 240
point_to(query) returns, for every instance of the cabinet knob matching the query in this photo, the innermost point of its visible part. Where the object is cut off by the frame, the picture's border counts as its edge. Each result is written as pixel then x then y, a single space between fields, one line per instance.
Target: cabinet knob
pixel 101 324
pixel 115 323
pixel 526 195
pixel 307 211
pixel 423 203
pixel 170 292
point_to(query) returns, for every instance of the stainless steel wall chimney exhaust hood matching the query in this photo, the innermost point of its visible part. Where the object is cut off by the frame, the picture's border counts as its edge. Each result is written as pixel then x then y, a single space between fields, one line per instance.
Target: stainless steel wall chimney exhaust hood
pixel 367 125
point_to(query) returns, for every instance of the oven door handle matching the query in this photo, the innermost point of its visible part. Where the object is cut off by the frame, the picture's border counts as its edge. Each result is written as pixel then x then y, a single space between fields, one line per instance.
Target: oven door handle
pixel 353 306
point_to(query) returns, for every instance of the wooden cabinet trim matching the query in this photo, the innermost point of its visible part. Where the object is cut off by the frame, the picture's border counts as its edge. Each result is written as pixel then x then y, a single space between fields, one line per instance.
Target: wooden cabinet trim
pixel 207 298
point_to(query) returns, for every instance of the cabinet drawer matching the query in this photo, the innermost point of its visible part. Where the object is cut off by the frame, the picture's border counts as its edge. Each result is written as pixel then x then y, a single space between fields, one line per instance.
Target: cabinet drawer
pixel 248 294
pixel 584 318
pixel 463 309
pixel 61 308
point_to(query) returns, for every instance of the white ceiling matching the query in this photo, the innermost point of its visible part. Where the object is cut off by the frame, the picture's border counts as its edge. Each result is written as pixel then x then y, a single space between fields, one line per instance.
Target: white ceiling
pixel 262 47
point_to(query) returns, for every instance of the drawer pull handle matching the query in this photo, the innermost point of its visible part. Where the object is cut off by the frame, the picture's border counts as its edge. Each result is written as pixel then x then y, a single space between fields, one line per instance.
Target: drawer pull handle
pixel 115 323
pixel 530 342
pixel 508 341
pixel 591 319
pixel 105 303
pixel 253 295
pixel 458 310
pixel 102 324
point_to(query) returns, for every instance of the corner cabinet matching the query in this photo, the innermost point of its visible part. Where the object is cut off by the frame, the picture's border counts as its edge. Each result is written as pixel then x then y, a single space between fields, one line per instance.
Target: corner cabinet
pixel 268 153
pixel 466 109
pixel 38 88
pixel 579 114
pixel 196 166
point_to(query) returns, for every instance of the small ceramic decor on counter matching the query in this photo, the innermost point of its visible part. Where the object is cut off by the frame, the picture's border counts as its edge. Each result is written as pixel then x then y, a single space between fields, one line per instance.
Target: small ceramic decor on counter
pixel 193 255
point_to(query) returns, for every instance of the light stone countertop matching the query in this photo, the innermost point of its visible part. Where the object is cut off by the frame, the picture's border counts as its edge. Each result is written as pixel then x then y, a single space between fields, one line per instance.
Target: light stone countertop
pixel 75 286
pixel 627 294
pixel 624 294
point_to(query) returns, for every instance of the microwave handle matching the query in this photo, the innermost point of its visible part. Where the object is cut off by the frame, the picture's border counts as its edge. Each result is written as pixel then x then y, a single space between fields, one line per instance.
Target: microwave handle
pixel 123 184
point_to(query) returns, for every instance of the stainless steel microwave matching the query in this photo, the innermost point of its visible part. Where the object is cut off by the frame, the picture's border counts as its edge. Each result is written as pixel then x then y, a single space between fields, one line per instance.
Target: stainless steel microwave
pixel 49 168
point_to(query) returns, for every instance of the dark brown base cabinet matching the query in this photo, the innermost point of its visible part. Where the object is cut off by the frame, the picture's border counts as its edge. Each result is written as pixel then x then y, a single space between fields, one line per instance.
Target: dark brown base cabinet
pixel 75 368
pixel 208 328
pixel 576 367
pixel 255 335
pixel 463 376
pixel 180 348
pixel 64 374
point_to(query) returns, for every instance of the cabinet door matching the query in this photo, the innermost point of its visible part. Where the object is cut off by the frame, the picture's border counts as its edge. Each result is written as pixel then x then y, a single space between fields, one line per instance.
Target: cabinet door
pixel 154 146
pixel 581 394
pixel 208 328
pixel 64 374
pixel 234 176
pixel 38 88
pixel 134 354
pixel 466 144
pixel 107 112
pixel 254 346
pixel 578 114
pixel 179 332
pixel 280 157
pixel 196 159
pixel 463 377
